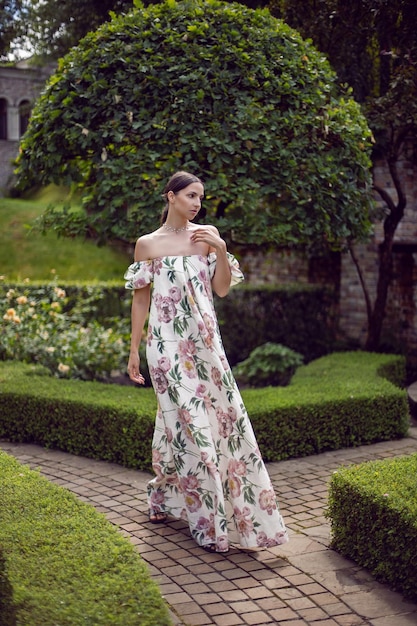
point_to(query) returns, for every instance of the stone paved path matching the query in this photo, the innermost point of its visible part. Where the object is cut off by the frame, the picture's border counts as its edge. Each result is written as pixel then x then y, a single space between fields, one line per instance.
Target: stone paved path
pixel 302 582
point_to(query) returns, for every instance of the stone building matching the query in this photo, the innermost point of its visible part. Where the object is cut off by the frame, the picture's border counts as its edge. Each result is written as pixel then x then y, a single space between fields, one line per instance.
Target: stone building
pixel 20 85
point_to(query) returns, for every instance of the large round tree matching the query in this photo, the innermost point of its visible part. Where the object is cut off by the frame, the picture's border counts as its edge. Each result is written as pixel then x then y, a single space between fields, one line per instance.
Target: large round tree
pixel 229 93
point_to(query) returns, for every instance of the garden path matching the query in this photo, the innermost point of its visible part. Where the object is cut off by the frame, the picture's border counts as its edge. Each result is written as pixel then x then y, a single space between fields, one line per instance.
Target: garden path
pixel 301 583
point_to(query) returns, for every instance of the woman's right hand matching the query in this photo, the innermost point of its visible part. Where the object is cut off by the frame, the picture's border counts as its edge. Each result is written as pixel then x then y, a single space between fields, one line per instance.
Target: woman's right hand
pixel 133 369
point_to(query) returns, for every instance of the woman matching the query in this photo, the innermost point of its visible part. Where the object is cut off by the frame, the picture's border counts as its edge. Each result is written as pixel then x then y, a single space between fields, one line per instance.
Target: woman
pixel 208 467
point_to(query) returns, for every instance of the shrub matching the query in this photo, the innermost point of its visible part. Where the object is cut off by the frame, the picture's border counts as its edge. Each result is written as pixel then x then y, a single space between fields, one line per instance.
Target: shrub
pixel 36 329
pixel 64 562
pixel 270 364
pixel 283 149
pixel 373 515
pixel 300 317
pixel 335 402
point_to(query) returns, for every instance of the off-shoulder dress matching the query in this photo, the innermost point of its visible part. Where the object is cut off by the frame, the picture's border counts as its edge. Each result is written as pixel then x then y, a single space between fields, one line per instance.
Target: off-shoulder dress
pixel 207 464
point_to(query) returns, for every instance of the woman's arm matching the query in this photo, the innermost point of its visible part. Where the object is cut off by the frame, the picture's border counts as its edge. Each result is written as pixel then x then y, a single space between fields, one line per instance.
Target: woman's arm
pixel 139 312
pixel 222 275
pixel 140 307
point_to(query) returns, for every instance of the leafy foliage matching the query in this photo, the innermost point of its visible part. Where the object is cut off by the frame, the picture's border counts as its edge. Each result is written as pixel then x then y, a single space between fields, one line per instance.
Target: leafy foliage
pixel 332 403
pixel 12 16
pixel 269 364
pixel 373 512
pixel 36 329
pixel 227 92
pixel 373 47
pixel 65 563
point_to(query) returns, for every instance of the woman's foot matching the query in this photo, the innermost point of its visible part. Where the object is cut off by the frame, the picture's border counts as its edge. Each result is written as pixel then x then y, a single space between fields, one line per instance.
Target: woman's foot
pixel 157 517
pixel 211 547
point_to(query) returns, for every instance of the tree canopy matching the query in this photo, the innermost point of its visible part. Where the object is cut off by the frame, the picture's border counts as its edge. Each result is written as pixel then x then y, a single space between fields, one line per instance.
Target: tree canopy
pixel 11 24
pixel 229 93
pixel 54 27
pixel 372 46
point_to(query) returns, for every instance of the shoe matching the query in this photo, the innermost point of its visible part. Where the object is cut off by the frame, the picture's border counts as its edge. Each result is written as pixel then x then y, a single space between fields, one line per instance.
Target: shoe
pixel 157 517
pixel 211 547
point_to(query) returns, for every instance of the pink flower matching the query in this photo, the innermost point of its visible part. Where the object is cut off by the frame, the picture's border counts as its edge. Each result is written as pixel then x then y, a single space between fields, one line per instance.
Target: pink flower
pixel 225 362
pixel 172 479
pixel 224 422
pixel 139 283
pixel 244 523
pixel 159 379
pixel 157 265
pixel 189 483
pixel 184 416
pixel 192 501
pixel 207 526
pixel 236 468
pixel 210 465
pixel 175 294
pixel 216 377
pixel 199 392
pixel 156 463
pixel 166 309
pixel 186 347
pixel 157 499
pixel 156 456
pixel 207 402
pixel 164 364
pixel 222 543
pixel 269 542
pixel 188 366
pixel 205 280
pixel 149 339
pixel 231 411
pixel 169 435
pixel 267 501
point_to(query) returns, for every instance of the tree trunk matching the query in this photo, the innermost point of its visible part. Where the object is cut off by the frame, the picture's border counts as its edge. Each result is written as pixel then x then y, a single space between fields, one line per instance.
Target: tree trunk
pixel 396 213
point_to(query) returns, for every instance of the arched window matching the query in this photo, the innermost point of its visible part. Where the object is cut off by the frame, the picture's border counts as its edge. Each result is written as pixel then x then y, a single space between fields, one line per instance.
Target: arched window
pixel 24 115
pixel 3 118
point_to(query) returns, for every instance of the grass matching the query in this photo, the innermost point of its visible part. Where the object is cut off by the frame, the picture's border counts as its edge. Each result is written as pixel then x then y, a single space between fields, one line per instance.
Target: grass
pixel 65 564
pixel 25 253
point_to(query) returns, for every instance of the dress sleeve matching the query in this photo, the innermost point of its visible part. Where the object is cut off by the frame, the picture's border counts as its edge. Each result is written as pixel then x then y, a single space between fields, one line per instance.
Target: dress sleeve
pixel 139 275
pixel 237 275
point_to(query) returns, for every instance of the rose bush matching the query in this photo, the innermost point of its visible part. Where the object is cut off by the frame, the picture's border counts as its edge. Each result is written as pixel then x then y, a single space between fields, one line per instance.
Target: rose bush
pixel 36 329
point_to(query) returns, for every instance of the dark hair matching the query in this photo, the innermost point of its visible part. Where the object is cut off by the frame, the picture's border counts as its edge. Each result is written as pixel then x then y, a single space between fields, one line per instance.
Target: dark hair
pixel 178 181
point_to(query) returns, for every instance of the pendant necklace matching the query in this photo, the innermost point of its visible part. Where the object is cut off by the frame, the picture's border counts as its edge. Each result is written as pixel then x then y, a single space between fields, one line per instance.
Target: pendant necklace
pixel 171 229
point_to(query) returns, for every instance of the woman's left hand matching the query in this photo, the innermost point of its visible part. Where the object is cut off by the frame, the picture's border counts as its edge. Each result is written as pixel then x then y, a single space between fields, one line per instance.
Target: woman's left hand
pixel 210 236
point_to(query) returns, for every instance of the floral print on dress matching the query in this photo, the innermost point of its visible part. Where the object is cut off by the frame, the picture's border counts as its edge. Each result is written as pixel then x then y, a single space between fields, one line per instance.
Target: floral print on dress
pixel 207 465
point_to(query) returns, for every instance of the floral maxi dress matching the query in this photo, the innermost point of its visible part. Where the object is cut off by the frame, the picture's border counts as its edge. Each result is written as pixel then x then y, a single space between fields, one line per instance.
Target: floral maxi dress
pixel 208 467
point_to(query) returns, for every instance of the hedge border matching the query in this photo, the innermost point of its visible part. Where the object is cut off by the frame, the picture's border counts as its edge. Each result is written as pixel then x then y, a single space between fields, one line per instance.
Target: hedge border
pixel 373 515
pixel 63 561
pixel 293 421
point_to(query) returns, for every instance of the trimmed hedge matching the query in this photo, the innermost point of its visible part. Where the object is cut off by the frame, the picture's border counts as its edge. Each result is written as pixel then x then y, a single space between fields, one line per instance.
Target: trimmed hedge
pixel 63 563
pixel 373 514
pixel 334 402
pixel 108 422
pixel 338 401
pixel 300 317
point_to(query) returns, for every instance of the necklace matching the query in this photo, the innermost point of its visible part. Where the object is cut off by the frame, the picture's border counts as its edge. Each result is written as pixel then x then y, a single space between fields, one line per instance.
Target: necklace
pixel 171 229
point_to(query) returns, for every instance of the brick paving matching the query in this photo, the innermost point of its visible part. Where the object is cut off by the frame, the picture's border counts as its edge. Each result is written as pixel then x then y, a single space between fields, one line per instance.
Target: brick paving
pixel 301 583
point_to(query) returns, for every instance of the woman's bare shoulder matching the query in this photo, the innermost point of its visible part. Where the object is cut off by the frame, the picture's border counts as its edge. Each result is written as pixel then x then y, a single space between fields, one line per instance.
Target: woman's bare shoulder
pixel 146 245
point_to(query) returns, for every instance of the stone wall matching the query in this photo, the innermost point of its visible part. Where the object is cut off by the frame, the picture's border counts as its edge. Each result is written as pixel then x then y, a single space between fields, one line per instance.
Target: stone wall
pixel 339 271
pixel 8 152
pixel 19 87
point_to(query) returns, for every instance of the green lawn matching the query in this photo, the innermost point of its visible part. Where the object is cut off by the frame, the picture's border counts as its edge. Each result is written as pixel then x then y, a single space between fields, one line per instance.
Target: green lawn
pixel 28 254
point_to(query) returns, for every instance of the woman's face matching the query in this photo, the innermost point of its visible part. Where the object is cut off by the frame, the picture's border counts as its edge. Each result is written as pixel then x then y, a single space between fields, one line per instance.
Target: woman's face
pixel 187 202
